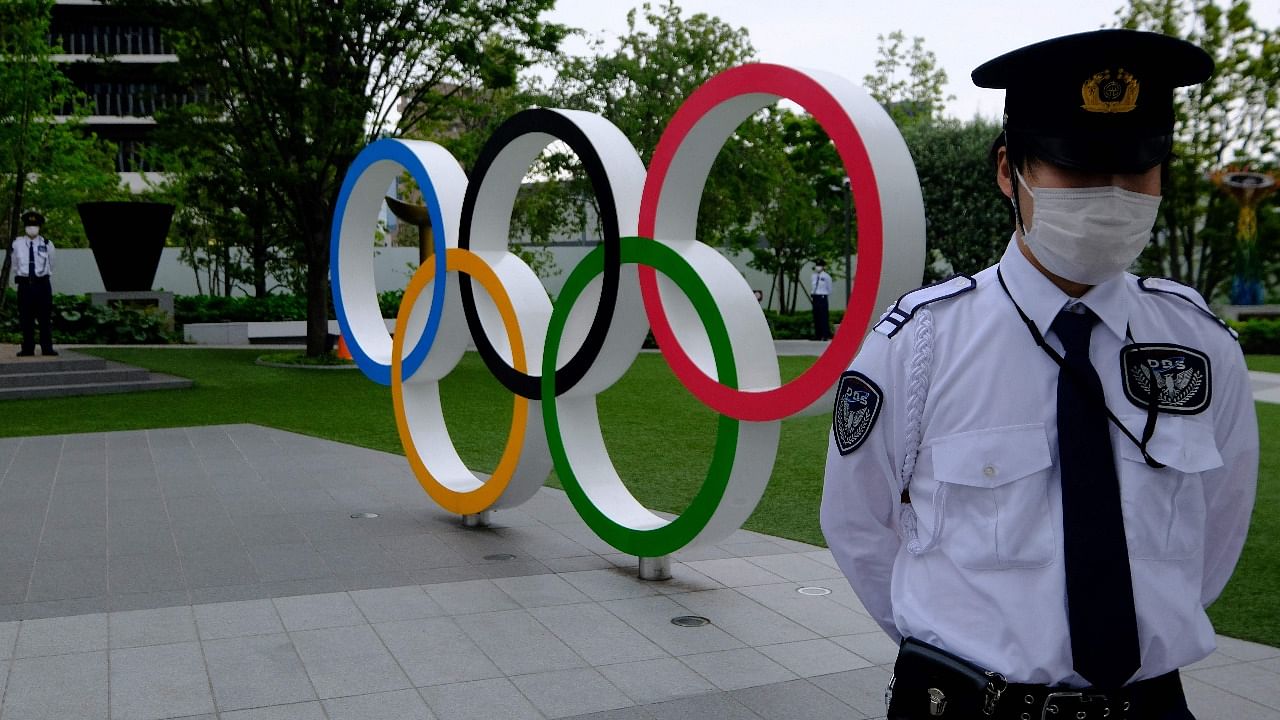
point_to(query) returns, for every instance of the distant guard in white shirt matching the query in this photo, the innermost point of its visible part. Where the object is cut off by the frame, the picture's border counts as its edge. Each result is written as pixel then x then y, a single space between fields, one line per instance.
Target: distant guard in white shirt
pixel 1039 476
pixel 33 269
pixel 819 297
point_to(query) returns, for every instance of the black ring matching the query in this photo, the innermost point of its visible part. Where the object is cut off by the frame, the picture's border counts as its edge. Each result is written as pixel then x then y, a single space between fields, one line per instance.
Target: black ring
pixel 547 122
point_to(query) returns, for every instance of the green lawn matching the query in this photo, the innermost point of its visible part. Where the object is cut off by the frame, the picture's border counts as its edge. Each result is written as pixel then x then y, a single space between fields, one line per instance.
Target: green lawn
pixel 1265 363
pixel 659 436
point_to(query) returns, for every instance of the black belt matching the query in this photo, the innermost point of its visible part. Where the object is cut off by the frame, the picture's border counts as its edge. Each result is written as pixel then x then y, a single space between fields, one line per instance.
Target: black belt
pixel 1144 699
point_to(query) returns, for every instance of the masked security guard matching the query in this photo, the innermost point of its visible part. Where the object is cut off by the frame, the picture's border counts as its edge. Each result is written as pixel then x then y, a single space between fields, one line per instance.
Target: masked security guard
pixel 1039 476
pixel 33 266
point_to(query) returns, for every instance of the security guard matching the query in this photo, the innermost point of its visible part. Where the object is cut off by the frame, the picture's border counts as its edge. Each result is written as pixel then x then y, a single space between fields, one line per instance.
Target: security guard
pixel 1040 476
pixel 33 266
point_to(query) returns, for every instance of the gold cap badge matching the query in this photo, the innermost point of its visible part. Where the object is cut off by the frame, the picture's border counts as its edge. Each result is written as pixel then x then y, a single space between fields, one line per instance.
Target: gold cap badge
pixel 1105 93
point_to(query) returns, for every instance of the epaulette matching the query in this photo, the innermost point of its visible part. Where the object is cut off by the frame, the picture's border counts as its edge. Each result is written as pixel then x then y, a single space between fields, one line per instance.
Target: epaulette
pixel 902 311
pixel 1187 293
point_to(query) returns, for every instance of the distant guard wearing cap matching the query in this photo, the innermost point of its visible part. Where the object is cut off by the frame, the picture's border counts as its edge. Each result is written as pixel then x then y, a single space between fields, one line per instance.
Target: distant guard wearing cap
pixel 33 268
pixel 1040 475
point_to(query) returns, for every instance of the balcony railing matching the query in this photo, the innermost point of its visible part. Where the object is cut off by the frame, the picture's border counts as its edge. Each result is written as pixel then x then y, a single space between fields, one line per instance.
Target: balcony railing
pixel 110 40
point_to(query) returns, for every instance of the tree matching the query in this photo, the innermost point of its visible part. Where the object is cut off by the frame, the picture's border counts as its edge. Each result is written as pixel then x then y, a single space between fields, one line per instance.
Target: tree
pixel 300 87
pixel 1233 118
pixel 907 82
pixel 968 220
pixel 46 159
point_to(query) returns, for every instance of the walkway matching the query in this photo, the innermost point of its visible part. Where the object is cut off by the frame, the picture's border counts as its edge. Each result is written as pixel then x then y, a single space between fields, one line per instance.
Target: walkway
pixel 218 572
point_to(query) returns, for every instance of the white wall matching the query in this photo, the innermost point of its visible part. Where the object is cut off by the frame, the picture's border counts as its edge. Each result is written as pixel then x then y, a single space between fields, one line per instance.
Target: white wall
pixel 75 272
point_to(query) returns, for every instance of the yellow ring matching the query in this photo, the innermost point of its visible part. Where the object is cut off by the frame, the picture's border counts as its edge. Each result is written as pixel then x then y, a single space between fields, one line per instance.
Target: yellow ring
pixel 483 497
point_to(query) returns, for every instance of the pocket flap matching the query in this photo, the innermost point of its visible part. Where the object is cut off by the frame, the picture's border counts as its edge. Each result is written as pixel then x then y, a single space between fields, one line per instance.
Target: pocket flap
pixel 990 458
pixel 1179 442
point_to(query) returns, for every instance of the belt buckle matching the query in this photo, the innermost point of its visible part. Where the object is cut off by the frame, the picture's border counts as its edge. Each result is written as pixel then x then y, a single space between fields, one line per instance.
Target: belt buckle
pixel 1053 710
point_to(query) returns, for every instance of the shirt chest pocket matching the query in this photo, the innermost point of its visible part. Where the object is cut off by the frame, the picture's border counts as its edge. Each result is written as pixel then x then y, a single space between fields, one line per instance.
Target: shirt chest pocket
pixel 994 497
pixel 1164 510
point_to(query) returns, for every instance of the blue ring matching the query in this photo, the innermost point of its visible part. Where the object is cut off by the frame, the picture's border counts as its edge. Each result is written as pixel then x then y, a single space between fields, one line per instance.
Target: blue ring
pixel 398 152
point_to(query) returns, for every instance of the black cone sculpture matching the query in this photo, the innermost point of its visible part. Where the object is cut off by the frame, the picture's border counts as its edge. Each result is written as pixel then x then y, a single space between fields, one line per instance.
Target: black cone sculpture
pixel 126 238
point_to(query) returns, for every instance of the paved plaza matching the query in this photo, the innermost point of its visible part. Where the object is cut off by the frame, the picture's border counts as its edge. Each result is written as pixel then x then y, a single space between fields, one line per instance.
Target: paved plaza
pixel 217 572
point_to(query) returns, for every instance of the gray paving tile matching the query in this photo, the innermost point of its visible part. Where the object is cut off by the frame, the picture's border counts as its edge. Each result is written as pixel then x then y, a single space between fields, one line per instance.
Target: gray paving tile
pixel 651 616
pixel 1245 650
pixel 395 705
pixel 863 690
pixel 309 586
pixel 62 686
pixel 395 603
pixel 874 647
pixel 479 700
pixel 435 651
pixel 237 619
pixel 149 601
pixel 609 584
pixel 540 590
pixel 794 699
pixel 1207 701
pixel 596 635
pixel 348 661
pixel 420 552
pixel 810 658
pixel 371 581
pixel 797 568
pixel 470 596
pixel 819 613
pixel 217 568
pixel 287 562
pixel 517 643
pixel 68 579
pixel 229 593
pixel 144 537
pixel 266 530
pixel 743 618
pixel 139 628
pixel 66 608
pixel 736 669
pixel 651 681
pixel 11 612
pixel 578 564
pixel 251 672
pixel 15 578
pixel 562 693
pixel 60 635
pixel 1243 679
pixel 74 543
pixel 293 711
pixel 311 612
pixel 163 681
pixel 145 573
pixel 8 635
pixel 716 706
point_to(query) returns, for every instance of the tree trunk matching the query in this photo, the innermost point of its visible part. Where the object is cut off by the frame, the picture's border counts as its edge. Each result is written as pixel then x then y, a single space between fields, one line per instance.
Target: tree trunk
pixel 259 260
pixel 317 284
pixel 15 217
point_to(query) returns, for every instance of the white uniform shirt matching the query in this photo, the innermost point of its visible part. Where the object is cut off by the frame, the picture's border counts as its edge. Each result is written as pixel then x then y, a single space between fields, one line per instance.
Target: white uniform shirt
pixel 821 284
pixel 986 482
pixel 24 246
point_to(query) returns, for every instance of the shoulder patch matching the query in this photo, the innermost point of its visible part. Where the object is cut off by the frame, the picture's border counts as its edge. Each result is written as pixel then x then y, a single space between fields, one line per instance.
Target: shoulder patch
pixel 1186 293
pixel 1176 377
pixel 905 309
pixel 858 402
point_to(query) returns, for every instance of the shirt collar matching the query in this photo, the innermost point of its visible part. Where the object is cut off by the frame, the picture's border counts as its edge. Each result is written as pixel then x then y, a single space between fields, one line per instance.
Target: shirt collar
pixel 1041 300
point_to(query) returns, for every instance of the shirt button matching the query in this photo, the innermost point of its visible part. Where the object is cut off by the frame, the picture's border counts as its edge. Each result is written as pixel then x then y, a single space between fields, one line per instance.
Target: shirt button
pixel 989 471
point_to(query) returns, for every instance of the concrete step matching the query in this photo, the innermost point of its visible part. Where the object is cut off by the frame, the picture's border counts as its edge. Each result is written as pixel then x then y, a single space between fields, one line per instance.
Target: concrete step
pixel 67 361
pixel 111 373
pixel 151 381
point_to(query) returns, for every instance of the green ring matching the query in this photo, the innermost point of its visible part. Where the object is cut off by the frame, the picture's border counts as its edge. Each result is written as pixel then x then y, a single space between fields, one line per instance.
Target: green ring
pixel 684 528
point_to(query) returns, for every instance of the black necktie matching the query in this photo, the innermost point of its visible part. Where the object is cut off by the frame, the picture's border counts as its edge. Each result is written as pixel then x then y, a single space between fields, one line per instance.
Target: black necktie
pixel 31 258
pixel 1104 628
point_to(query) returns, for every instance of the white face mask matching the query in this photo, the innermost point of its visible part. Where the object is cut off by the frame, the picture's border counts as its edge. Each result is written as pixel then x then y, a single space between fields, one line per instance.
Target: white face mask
pixel 1089 235
pixel 33 230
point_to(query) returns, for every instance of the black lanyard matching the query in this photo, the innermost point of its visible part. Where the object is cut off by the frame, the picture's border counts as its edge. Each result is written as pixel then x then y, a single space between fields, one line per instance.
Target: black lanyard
pixel 1153 404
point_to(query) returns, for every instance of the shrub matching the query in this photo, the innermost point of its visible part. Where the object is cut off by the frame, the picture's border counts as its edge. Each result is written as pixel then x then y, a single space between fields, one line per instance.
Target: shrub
pixel 1259 336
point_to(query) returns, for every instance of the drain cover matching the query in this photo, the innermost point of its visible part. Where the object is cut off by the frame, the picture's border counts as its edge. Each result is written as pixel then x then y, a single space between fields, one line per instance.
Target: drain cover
pixel 500 557
pixel 690 621
pixel 813 590
pixel 363 516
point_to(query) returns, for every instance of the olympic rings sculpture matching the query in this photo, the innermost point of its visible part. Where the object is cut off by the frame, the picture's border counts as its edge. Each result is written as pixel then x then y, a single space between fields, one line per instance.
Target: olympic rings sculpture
pixel 649 272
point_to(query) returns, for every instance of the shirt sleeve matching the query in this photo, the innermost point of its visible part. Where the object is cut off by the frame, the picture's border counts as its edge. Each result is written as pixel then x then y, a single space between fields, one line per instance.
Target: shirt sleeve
pixel 1230 489
pixel 860 497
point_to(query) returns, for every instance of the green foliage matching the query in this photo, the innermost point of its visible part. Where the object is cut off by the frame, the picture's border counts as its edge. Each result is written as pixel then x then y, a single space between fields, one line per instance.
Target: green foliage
pixel 47 160
pixel 1259 336
pixel 796 326
pixel 907 82
pixel 217 308
pixel 290 93
pixel 1234 118
pixel 967 219
pixel 76 320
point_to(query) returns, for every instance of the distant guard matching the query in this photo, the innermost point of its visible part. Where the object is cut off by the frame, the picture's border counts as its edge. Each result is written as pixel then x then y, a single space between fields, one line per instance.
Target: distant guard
pixel 33 271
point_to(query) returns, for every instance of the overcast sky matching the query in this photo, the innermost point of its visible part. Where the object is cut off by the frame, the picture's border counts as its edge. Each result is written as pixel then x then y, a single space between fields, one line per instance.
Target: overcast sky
pixel 840 35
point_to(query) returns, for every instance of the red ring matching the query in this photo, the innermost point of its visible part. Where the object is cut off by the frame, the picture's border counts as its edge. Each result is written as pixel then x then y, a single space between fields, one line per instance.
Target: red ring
pixel 794 396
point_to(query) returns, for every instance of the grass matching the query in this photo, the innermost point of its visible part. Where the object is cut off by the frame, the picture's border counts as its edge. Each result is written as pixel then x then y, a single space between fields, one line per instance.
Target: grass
pixel 1263 363
pixel 659 436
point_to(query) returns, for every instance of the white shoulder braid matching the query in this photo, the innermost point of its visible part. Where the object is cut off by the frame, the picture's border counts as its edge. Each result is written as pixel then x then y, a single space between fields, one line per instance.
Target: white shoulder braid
pixel 905 309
